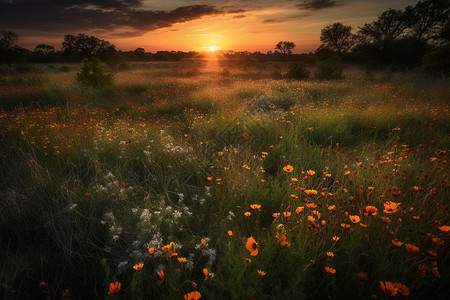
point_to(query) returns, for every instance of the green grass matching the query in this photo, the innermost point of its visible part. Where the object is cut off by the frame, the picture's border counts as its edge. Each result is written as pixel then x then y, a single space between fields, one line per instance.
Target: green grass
pixel 177 152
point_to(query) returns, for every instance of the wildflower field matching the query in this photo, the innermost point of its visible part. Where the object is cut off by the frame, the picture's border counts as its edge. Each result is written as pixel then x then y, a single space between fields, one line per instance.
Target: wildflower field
pixel 184 182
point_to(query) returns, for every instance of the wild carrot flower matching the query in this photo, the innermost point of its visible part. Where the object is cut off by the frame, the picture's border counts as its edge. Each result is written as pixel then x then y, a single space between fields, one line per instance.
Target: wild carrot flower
pixel 252 246
pixel 261 272
pixel 192 296
pixel 330 270
pixel 288 168
pixel 391 207
pixel 114 288
pixel 138 267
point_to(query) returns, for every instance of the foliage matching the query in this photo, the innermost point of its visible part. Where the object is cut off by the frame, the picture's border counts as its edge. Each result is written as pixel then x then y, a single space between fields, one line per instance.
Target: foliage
pixel 437 62
pixel 285 47
pixel 297 71
pixel 86 46
pixel 329 69
pixel 93 74
pixel 337 37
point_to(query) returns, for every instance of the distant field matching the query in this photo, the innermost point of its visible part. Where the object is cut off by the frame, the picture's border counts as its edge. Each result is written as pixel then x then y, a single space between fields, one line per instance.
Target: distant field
pixel 231 179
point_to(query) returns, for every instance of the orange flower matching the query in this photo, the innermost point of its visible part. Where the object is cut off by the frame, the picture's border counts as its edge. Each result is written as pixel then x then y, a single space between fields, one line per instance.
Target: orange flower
pixel 422 270
pixel 208 275
pixel 397 243
pixel 332 208
pixel 388 288
pixel 170 248
pixel 354 219
pixel 287 215
pixel 371 211
pixel 114 288
pixel 276 215
pixel 330 270
pixel 299 209
pixel 288 168
pixel 335 238
pixel 293 196
pixel 230 233
pixel 252 246
pixel 247 214
pixel 255 206
pixel 181 259
pixel 316 213
pixel 362 225
pixel 310 172
pixel 345 226
pixel 385 219
pixel 282 239
pixel 311 219
pixel 310 192
pixel 391 207
pixel 311 205
pixel 162 277
pixel 192 296
pixel 151 250
pixel 411 248
pixel 323 222
pixel 401 289
pixel 261 273
pixel 138 267
pixel 330 254
pixel 444 228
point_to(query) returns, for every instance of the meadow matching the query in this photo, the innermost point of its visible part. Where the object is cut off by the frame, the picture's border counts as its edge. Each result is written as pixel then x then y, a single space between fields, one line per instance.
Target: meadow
pixel 223 180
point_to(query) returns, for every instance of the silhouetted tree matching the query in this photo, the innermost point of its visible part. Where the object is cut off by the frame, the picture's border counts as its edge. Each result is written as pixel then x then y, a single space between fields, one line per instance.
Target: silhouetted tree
pixel 284 47
pixel 44 49
pixel 427 17
pixel 8 47
pixel 88 46
pixel 337 37
pixel 139 51
pixel 390 25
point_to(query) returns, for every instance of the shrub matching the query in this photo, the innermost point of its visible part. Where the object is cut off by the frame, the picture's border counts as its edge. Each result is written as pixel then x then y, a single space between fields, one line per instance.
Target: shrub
pixel 297 71
pixel 329 69
pixel 94 74
pixel 437 62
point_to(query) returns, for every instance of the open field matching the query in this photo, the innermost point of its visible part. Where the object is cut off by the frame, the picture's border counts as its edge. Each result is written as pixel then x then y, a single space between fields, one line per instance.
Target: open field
pixel 233 181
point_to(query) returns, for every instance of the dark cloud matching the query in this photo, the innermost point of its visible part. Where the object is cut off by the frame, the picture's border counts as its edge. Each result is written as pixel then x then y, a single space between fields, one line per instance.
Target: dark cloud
pixel 111 16
pixel 317 4
pixel 272 21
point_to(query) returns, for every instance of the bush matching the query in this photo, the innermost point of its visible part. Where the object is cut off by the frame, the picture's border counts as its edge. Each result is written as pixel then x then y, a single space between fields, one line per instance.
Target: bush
pixel 437 62
pixel 94 74
pixel 298 71
pixel 329 69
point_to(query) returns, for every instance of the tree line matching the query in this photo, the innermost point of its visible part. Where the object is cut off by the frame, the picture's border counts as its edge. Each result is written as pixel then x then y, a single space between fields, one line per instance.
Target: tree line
pixel 416 35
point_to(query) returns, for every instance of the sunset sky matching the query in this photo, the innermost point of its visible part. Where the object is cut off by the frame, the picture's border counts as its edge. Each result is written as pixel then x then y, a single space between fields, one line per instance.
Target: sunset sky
pixel 189 25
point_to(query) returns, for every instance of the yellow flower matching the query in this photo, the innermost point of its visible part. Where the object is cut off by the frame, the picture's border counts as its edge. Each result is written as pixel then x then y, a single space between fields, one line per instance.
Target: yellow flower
pixel 288 168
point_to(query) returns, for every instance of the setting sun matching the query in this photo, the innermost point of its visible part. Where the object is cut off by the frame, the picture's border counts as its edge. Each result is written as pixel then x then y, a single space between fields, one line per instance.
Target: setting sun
pixel 213 48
